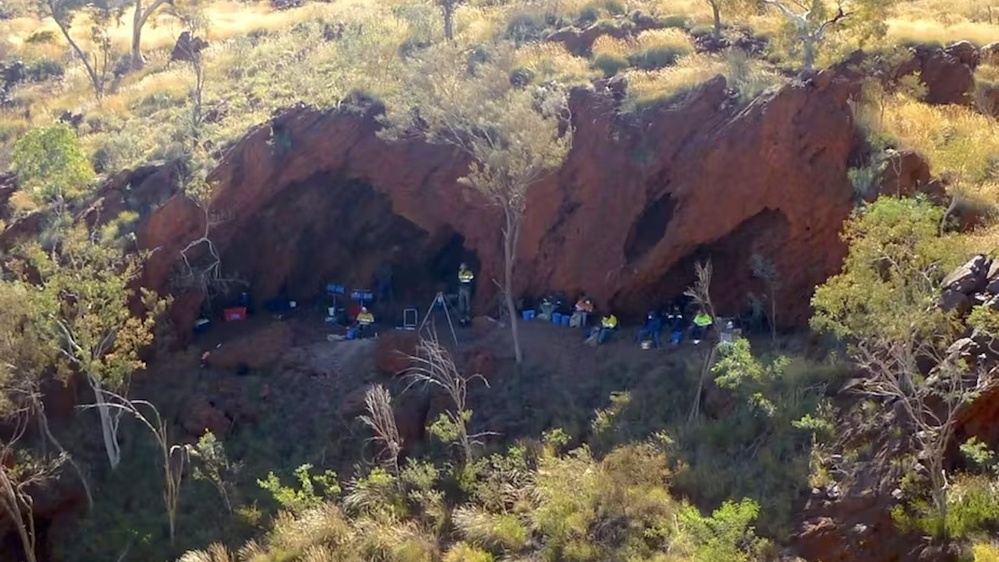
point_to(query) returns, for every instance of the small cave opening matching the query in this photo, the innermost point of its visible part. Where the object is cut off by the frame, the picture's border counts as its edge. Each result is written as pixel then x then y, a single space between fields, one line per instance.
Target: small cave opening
pixel 451 253
pixel 330 230
pixel 649 228
pixel 765 232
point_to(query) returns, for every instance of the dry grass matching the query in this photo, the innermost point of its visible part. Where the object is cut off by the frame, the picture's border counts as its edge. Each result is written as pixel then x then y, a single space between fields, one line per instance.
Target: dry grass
pixel 960 143
pixel 551 61
pixel 228 19
pixel 647 87
pixel 945 21
pixel 673 39
pixel 255 77
pixel 749 76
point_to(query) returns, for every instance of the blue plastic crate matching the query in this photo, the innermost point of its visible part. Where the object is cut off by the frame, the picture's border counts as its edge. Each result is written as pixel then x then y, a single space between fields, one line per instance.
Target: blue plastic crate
pixel 565 319
pixel 556 318
pixel 527 314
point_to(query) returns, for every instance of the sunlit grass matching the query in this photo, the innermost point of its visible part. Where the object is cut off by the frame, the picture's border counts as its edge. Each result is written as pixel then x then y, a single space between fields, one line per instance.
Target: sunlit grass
pixel 959 143
pixel 548 61
pixel 228 19
pixel 748 75
pixel 932 31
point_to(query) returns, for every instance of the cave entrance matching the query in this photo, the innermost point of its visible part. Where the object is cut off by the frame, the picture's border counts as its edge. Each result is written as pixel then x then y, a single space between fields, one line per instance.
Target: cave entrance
pixel 330 230
pixel 649 228
pixel 730 257
pixel 448 257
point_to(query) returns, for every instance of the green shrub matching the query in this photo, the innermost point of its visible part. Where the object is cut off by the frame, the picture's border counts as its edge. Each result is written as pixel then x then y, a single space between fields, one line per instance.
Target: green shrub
pixel 615 7
pixel 41 37
pixel 463 552
pixel 727 534
pixel 502 532
pixel 45 69
pixel 525 27
pixel 588 15
pixel 118 151
pixel 675 22
pixel 657 57
pixel 610 64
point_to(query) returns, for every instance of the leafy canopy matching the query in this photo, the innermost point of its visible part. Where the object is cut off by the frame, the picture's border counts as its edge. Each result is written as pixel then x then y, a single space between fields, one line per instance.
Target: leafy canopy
pixel 891 275
pixel 50 164
pixel 85 295
pixel 513 134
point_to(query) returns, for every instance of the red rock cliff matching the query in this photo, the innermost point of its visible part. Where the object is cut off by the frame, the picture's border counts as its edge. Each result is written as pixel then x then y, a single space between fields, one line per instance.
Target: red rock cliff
pixel 317 196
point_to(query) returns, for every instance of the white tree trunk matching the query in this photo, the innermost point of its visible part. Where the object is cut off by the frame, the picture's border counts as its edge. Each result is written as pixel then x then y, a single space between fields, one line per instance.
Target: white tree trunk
pixel 509 254
pixel 109 423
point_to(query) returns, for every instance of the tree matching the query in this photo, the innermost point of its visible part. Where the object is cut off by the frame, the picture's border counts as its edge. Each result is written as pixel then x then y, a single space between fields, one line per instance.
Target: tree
pixel 717 7
pixel 883 305
pixel 102 16
pixel 24 358
pixel 174 458
pixel 139 19
pixel 215 467
pixel 514 136
pixel 50 163
pixel 766 271
pixel 810 21
pixel 86 296
pixel 448 8
pixel 700 291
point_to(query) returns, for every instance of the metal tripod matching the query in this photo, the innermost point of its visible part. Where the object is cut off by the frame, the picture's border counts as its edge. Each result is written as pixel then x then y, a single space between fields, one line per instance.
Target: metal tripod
pixel 443 302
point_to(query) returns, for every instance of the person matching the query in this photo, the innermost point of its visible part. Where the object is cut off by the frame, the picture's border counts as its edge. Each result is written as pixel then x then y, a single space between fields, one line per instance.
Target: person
pixel 653 329
pixel 676 324
pixel 608 325
pixel 547 308
pixel 702 322
pixel 364 321
pixel 465 278
pixel 383 280
pixel 584 307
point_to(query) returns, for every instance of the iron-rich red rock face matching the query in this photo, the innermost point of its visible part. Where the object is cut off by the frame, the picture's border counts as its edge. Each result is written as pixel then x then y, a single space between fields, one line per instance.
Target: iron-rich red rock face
pixel 319 196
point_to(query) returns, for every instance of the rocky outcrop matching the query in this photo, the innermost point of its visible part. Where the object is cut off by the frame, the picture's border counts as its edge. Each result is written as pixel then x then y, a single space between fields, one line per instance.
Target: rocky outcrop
pixel 851 520
pixel 947 73
pixel 317 196
pixel 187 47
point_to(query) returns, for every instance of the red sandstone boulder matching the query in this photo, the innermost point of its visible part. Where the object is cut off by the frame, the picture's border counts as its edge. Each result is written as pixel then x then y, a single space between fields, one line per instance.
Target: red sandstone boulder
pixel 259 349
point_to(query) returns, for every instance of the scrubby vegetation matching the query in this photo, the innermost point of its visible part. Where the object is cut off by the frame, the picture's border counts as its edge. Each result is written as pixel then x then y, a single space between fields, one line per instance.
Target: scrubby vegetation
pixel 708 456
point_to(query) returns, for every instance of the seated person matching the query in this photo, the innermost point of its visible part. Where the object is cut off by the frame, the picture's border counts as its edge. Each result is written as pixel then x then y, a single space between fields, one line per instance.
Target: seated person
pixel 702 322
pixel 584 307
pixel 547 308
pixel 676 324
pixel 608 325
pixel 365 320
pixel 652 330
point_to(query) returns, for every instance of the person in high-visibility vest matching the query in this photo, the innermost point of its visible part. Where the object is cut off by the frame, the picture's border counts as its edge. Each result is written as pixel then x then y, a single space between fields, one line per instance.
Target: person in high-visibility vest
pixel 608 324
pixel 465 278
pixel 702 322
pixel 364 321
